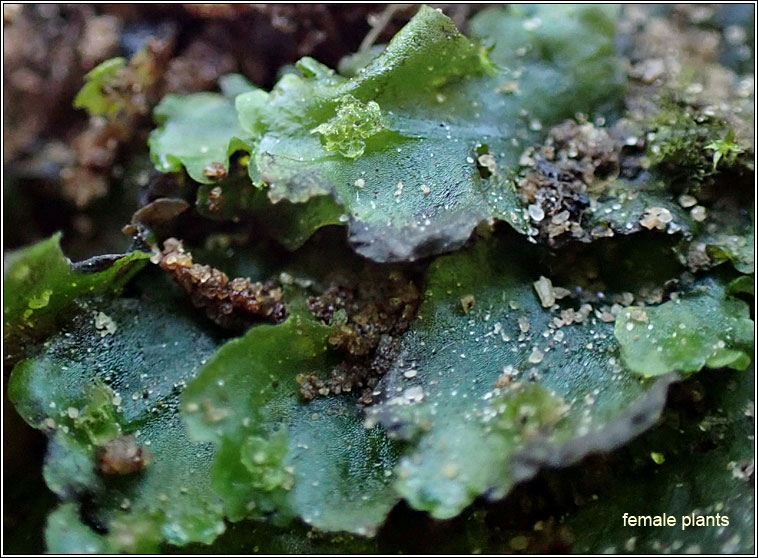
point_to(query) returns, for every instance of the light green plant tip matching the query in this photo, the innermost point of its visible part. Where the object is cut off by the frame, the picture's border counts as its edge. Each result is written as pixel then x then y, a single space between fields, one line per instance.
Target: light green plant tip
pixel 41 284
pixel 726 149
pixel 91 97
pixel 658 458
pixel 705 329
pixel 355 122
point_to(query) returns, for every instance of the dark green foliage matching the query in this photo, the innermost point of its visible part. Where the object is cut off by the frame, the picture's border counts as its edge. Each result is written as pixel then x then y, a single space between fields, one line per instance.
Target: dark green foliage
pixel 465 408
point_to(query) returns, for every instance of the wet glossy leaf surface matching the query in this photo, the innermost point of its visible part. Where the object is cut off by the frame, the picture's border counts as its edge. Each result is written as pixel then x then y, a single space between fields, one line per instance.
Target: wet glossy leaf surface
pixel 707 471
pixel 40 283
pixel 497 381
pixel 89 385
pixel 277 456
pixel 589 166
pixel 291 224
pixel 731 238
pixel 705 327
pixel 199 132
pixel 445 137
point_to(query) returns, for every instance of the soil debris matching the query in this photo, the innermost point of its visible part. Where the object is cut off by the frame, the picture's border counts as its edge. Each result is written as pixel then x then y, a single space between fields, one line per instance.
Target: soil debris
pixel 369 316
pixel 577 161
pixel 233 304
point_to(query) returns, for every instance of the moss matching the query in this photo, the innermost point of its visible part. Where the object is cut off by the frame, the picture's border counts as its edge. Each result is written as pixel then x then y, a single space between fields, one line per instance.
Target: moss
pixel 725 149
pixel 687 144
